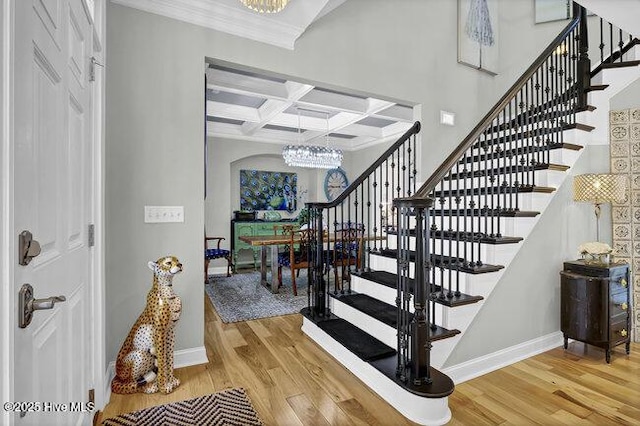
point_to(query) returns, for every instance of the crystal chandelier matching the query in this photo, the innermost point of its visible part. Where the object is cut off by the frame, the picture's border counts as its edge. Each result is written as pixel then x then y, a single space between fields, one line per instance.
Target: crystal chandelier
pixel 265 6
pixel 312 156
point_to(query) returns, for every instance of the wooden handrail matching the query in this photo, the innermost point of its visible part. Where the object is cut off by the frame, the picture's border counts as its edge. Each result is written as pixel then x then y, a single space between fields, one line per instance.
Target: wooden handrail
pixel 364 175
pixel 453 158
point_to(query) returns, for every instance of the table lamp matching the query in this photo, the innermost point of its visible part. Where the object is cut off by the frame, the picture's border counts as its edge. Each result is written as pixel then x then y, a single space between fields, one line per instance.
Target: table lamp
pixel 599 189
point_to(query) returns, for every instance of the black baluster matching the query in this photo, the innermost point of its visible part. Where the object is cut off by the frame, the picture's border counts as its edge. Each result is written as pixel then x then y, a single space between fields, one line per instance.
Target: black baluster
pixel 365 265
pixel 414 171
pixel 375 219
pixel 620 44
pixel 463 211
pixel 404 172
pixel 610 59
pixel 601 46
pixel 450 231
pixel 472 204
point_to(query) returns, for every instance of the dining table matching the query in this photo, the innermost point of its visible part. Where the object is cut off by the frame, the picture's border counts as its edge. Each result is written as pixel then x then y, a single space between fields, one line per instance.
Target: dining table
pixel 266 242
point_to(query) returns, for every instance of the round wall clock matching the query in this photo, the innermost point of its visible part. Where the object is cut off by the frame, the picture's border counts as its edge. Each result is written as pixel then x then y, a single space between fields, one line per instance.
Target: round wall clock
pixel 334 183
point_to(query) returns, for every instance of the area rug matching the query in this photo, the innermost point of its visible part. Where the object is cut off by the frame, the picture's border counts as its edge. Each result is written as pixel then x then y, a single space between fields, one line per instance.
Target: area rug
pixel 241 297
pixel 230 407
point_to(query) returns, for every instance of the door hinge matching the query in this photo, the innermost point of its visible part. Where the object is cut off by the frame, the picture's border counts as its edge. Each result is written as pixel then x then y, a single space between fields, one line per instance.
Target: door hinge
pixel 92 68
pixel 92 235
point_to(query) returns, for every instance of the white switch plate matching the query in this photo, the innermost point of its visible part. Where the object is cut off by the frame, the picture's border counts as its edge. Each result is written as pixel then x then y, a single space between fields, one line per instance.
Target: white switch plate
pixel 163 214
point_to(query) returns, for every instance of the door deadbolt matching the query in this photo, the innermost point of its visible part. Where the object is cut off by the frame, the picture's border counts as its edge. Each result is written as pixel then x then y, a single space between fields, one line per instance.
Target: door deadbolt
pixel 28 248
pixel 27 304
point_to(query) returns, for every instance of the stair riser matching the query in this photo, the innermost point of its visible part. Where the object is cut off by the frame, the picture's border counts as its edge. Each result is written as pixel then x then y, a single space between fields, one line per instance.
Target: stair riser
pixel 509 226
pixel 550 178
pixel 530 201
pixel 372 326
pixel 468 283
pixel 556 156
pixel 495 254
pixel 451 318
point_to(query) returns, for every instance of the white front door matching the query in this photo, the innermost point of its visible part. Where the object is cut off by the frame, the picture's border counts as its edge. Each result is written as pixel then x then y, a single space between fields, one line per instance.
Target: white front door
pixel 52 156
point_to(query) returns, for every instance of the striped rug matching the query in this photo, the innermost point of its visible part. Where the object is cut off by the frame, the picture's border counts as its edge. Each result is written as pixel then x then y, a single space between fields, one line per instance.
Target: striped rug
pixel 230 407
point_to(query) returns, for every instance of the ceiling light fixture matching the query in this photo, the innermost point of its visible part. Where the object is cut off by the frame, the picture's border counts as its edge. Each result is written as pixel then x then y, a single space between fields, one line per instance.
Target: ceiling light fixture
pixel 265 6
pixel 312 156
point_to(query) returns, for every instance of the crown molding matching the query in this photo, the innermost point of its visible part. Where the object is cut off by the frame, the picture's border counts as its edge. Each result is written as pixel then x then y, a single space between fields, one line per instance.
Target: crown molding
pixel 237 21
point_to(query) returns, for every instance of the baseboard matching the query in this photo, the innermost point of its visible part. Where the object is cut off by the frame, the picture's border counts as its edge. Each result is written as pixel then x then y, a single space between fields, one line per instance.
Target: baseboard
pixel 217 270
pixel 189 357
pixel 487 363
pixel 181 358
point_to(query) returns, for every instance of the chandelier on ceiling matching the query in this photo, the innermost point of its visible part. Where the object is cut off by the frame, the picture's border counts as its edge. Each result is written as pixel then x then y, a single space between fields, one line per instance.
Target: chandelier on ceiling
pixel 312 156
pixel 265 6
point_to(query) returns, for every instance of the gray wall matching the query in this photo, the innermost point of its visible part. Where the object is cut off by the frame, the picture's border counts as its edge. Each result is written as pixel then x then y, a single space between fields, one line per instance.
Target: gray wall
pixel 525 303
pixel 629 97
pixel 154 154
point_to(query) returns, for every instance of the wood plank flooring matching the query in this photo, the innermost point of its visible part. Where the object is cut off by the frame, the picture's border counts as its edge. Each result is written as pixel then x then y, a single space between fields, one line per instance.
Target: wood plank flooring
pixel 292 381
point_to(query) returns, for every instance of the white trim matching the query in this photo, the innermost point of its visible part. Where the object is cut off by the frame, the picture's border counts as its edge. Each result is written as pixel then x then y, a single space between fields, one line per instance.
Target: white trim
pixel 221 17
pixel 494 361
pixel 7 311
pixel 424 411
pixel 181 358
pixel 97 255
pixel 217 270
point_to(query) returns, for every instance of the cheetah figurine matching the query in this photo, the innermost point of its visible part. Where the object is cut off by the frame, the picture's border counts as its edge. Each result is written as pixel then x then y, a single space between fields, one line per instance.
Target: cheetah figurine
pixel 145 361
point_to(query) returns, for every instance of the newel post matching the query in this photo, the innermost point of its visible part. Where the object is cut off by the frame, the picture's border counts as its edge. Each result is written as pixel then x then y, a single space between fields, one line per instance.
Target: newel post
pixel 414 345
pixel 583 78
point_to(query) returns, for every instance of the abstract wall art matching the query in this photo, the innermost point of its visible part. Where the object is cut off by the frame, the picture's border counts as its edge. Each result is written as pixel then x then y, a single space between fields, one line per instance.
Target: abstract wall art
pixel 478 34
pixel 264 190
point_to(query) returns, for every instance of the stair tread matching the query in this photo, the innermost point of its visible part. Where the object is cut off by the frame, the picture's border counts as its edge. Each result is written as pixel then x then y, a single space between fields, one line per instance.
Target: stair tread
pixel 497 171
pixel 387 314
pixel 467 237
pixel 382 357
pixel 530 133
pixel 490 212
pixel 363 345
pixel 596 87
pixel 622 64
pixel 446 262
pixel 441 385
pixel 389 279
pixel 516 151
pixel 493 190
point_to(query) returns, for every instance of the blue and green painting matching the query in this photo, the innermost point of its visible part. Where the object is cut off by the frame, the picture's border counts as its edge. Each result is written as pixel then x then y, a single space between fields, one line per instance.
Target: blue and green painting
pixel 263 190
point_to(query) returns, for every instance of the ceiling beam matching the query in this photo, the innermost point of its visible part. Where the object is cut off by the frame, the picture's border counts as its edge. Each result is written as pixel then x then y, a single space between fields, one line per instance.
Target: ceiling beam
pixel 272 108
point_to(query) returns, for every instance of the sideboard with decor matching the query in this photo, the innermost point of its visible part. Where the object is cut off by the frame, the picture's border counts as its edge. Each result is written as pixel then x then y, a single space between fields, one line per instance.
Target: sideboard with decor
pixel 250 226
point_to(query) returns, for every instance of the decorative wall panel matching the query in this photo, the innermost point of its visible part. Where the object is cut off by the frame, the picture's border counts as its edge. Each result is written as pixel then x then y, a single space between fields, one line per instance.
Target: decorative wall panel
pixel 624 132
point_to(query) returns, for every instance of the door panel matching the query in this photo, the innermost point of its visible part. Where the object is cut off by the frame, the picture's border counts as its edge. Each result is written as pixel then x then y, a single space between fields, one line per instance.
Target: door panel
pixel 52 185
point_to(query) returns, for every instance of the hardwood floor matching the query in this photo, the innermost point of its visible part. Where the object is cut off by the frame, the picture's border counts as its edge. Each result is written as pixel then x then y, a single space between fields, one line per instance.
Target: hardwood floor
pixel 292 381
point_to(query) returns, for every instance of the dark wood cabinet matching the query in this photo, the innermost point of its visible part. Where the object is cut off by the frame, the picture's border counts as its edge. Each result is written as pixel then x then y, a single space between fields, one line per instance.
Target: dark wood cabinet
pixel 595 304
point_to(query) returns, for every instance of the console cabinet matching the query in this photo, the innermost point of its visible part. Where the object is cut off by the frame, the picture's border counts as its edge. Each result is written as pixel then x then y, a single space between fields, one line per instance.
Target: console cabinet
pixel 246 254
pixel 595 304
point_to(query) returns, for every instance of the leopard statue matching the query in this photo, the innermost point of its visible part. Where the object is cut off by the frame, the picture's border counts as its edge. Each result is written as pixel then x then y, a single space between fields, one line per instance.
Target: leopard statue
pixel 145 360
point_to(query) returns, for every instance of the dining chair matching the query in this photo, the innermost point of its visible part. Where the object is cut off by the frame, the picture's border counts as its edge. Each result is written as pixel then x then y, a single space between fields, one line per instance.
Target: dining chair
pixel 347 251
pixel 215 253
pixel 296 257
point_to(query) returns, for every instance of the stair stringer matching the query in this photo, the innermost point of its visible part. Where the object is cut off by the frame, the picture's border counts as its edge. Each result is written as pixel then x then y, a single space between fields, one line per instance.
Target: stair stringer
pixel 462 318
pixel 617 80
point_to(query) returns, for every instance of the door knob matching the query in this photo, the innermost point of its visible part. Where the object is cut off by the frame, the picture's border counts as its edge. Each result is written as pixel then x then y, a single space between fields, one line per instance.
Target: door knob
pixel 27 304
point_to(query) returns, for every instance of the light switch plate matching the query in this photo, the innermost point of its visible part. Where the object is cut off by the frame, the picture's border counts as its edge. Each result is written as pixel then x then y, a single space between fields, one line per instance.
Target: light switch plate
pixel 163 214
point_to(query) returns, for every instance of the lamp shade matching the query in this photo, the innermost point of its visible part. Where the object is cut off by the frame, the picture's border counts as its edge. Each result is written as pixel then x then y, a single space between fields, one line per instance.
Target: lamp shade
pixel 599 188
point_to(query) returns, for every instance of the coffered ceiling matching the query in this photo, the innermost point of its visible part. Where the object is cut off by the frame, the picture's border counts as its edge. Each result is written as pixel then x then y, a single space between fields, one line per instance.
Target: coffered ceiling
pixel 254 106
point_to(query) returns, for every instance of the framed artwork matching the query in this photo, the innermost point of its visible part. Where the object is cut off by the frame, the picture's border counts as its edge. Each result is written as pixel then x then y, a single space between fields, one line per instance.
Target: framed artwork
pixel 264 190
pixel 478 34
pixel 552 10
